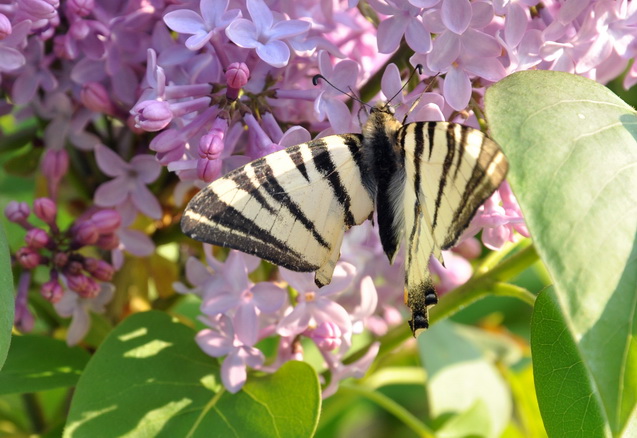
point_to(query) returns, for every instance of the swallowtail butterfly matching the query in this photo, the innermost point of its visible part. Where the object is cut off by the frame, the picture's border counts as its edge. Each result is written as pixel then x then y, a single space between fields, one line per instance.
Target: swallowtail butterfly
pixel 425 180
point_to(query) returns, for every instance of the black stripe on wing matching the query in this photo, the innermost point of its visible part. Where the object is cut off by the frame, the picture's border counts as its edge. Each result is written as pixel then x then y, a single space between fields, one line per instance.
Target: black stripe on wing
pixel 324 164
pixel 270 184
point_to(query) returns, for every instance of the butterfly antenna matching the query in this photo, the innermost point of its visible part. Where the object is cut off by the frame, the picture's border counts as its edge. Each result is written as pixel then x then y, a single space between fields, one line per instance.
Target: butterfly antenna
pixel 418 69
pixel 427 88
pixel 315 81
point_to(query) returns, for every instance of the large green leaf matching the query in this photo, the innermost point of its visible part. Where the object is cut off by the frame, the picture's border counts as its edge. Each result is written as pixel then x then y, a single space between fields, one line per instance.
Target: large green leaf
pixel 463 383
pixel 149 378
pixel 36 363
pixel 572 150
pixel 6 298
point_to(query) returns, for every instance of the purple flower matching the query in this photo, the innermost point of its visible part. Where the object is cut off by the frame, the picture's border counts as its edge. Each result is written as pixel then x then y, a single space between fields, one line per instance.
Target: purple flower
pixel 404 19
pixel 265 34
pixel 239 351
pixel 316 306
pixel 73 305
pixel 213 18
pixel 356 369
pixel 11 58
pixel 328 103
pixel 129 181
pixel 242 298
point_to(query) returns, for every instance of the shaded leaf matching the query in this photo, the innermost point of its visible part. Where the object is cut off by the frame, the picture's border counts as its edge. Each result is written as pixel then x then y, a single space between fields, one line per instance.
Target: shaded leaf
pixel 6 297
pixel 463 382
pixel 37 363
pixel 149 378
pixel 25 163
pixel 572 150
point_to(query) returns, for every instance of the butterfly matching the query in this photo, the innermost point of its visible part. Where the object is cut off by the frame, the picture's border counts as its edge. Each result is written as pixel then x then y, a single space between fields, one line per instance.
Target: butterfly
pixel 424 180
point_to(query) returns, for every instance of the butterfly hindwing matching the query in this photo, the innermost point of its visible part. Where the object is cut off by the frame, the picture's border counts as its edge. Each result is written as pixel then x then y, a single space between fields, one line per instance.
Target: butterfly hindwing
pixel 290 207
pixel 450 171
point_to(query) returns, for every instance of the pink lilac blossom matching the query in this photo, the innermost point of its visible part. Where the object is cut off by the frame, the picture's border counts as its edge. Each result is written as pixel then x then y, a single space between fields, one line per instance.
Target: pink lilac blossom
pixel 221 82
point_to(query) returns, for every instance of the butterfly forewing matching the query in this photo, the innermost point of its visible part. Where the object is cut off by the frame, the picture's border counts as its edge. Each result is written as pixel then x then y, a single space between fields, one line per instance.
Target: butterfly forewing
pixel 290 208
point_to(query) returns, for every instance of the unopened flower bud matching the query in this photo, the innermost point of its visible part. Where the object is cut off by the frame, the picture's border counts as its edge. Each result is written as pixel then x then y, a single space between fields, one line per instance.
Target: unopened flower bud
pixel 60 259
pixel 52 291
pixel 327 336
pixel 211 145
pixel 99 269
pixel 28 257
pixel 95 97
pixel 108 241
pixel 208 170
pixel 5 27
pixel 86 233
pixel 37 238
pixel 152 115
pixel 85 287
pixel 74 267
pixel 81 8
pixel 38 9
pixel 18 212
pixel 45 209
pixel 237 76
pixel 106 221
pixel 55 164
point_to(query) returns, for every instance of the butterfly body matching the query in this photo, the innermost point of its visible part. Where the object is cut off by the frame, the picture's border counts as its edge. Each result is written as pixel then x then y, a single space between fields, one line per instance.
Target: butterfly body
pixel 425 180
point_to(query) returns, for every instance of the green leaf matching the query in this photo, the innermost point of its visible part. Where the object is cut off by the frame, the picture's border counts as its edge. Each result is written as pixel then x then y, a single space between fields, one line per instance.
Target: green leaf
pixel 149 378
pixel 24 163
pixel 570 403
pixel 463 382
pixel 36 363
pixel 572 151
pixel 18 139
pixel 6 298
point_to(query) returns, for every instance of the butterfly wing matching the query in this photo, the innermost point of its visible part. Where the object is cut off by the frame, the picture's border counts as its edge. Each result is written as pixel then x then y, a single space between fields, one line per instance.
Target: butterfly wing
pixel 450 171
pixel 290 207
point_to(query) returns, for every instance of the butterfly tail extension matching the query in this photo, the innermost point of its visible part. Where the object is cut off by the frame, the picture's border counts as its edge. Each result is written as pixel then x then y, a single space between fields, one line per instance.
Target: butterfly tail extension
pixel 419 298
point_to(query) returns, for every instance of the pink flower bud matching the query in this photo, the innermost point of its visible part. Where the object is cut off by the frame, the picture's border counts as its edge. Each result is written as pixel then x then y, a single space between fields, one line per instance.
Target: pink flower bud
pixel 28 257
pixel 152 115
pixel 95 97
pixel 17 212
pixel 85 287
pixel 55 164
pixel 60 259
pixel 52 291
pixel 106 221
pixel 327 336
pixel 37 238
pixel 208 170
pixel 108 241
pixel 86 233
pixel 81 8
pixel 99 269
pixel 5 27
pixel 74 267
pixel 237 76
pixel 211 145
pixel 45 210
pixel 38 9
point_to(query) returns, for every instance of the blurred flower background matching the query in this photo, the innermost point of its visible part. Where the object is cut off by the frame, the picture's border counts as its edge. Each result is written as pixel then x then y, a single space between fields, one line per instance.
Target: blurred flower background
pixel 115 112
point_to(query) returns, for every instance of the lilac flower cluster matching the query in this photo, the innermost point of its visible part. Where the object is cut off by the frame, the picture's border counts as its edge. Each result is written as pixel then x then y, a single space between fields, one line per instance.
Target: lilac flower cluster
pixel 222 82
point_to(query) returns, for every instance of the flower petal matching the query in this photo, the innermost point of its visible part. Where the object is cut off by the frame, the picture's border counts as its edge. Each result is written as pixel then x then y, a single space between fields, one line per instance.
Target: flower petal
pixel 243 33
pixel 276 53
pixel 109 162
pixel 185 21
pixel 390 32
pixel 112 193
pixel 456 15
pixel 146 167
pixel 268 297
pixel 145 201
pixel 457 88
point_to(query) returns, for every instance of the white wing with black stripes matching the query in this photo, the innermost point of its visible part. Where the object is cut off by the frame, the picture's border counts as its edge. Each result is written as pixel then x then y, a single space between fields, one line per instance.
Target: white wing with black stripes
pixel 290 208
pixel 450 170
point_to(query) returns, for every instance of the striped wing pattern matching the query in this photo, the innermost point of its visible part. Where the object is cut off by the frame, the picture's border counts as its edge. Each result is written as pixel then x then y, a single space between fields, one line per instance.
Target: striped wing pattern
pixel 450 171
pixel 290 207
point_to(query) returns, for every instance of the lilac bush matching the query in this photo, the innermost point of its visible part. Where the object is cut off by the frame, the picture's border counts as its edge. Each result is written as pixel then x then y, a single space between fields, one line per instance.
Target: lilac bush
pixel 158 98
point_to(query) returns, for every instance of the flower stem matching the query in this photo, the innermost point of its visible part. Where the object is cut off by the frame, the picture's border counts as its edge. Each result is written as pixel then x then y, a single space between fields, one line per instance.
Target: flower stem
pixel 406 417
